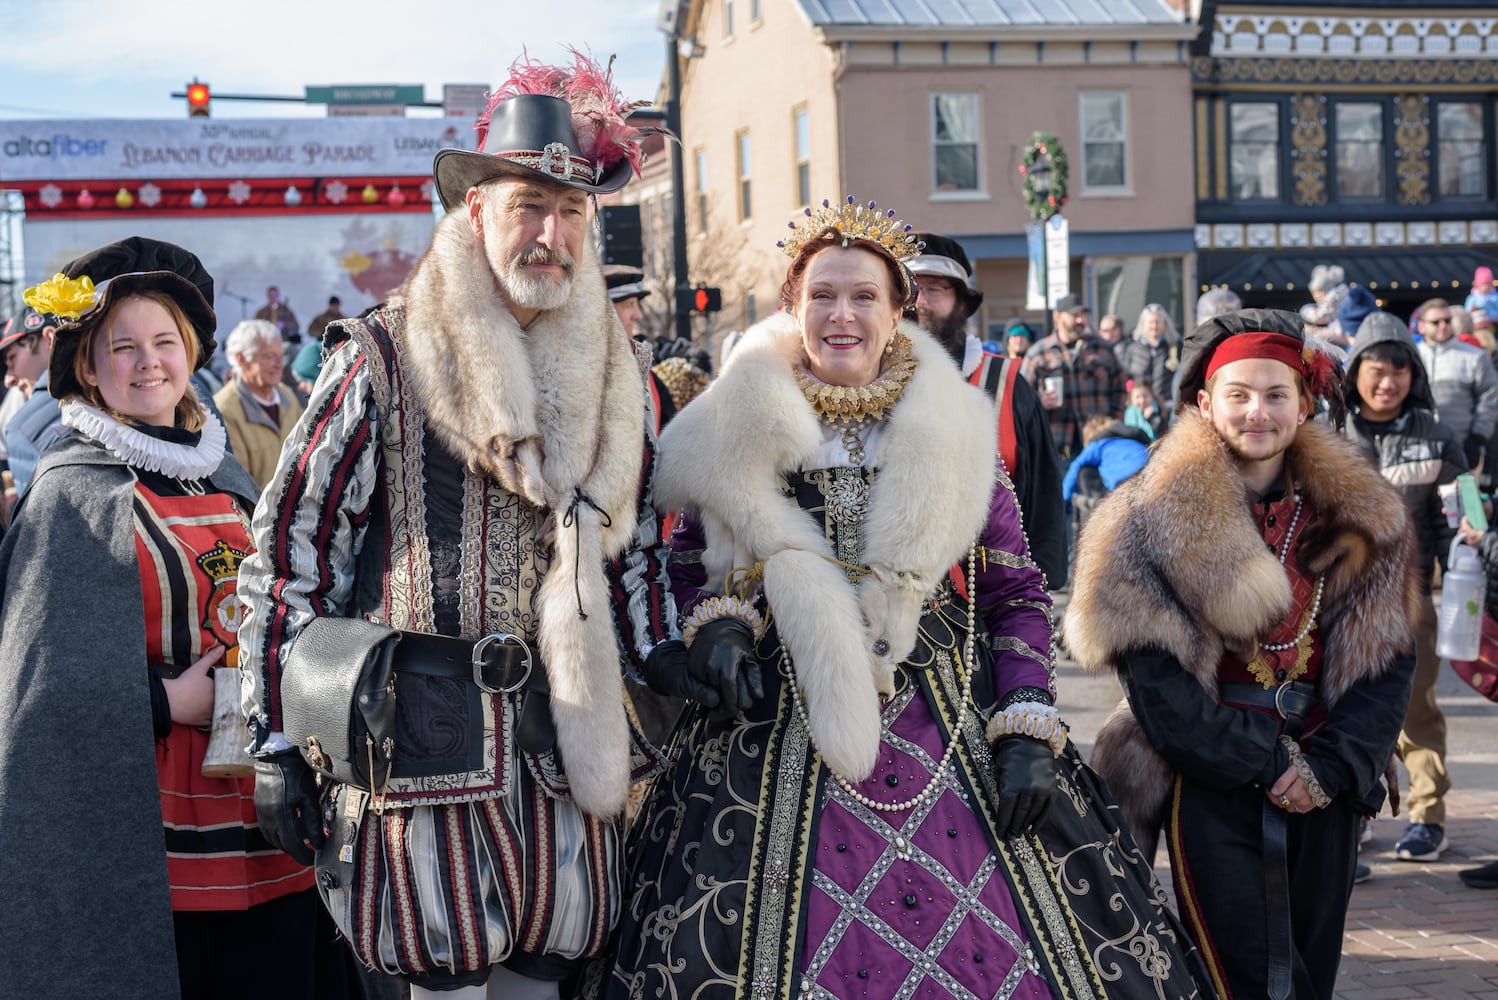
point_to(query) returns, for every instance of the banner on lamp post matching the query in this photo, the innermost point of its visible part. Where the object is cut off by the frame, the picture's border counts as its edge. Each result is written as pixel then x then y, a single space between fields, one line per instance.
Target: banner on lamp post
pixel 1035 298
pixel 1057 260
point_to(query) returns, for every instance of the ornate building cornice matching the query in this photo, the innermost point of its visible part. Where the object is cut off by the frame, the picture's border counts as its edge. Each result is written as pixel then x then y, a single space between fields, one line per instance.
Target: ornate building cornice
pixel 1280 72
pixel 1408 36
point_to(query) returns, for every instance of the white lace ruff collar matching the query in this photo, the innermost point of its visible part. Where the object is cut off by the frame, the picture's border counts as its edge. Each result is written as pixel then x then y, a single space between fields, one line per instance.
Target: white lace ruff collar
pixel 141 450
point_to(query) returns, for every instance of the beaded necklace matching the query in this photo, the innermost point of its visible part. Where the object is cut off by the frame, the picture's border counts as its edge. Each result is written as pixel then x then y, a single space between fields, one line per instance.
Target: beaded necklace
pixel 967 689
pixel 1259 665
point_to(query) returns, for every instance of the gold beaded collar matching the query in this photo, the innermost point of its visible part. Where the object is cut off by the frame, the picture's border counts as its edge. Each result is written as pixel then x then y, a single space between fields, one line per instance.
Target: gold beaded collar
pixel 837 403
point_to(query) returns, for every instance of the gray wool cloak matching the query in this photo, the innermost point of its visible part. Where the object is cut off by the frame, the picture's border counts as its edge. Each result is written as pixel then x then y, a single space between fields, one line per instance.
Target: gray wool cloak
pixel 85 908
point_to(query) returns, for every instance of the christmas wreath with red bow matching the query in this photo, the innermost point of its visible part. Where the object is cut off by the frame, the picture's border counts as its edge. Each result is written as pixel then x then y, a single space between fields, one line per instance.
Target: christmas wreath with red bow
pixel 1044 145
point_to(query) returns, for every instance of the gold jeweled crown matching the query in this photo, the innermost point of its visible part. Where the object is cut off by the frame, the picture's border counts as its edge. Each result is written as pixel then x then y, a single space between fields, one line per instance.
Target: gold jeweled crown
pixel 854 222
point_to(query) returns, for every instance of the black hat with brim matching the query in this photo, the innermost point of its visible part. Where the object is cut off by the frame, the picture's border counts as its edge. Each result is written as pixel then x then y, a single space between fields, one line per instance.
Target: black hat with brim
pixel 134 266
pixel 943 257
pixel 531 137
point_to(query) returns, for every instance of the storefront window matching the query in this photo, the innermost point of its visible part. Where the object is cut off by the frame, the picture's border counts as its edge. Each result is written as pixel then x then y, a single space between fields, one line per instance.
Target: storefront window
pixel 1254 129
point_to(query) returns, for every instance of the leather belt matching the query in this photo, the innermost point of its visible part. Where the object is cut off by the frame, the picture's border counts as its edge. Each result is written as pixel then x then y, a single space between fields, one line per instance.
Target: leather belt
pixel 498 663
pixel 1293 700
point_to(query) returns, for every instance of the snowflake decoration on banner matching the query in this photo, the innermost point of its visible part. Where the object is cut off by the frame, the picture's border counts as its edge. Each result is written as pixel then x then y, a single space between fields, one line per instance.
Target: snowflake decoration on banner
pixel 50 195
pixel 426 191
pixel 239 192
pixel 336 192
pixel 150 195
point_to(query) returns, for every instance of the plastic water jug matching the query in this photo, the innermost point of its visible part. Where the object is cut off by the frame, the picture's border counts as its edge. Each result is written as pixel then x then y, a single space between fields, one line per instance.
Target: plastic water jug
pixel 1464 589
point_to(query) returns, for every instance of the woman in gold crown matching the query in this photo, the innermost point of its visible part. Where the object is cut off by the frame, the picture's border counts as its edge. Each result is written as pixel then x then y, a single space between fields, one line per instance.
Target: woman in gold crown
pixel 874 794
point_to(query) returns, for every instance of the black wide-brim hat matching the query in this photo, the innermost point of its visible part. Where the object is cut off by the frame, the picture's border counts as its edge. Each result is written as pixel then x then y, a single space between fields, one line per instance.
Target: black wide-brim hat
pixel 529 136
pixel 130 267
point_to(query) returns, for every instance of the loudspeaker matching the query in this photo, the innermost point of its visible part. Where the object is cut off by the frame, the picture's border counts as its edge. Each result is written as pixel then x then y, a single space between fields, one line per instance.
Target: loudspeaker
pixel 621 236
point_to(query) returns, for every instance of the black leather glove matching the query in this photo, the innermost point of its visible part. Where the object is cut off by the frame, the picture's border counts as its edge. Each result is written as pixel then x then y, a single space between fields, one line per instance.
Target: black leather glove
pixel 723 655
pixel 719 671
pixel 1473 448
pixel 1026 775
pixel 287 805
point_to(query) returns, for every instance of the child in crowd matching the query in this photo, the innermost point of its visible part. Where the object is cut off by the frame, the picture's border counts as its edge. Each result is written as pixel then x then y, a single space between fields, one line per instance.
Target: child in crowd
pixel 1483 296
pixel 1112 452
pixel 1144 410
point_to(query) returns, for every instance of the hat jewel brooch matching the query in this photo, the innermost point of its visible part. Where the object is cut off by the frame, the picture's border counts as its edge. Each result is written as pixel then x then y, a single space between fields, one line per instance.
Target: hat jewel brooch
pixel 854 221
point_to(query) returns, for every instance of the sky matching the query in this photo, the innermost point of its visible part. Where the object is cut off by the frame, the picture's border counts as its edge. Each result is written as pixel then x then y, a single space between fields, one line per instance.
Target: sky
pixel 72 59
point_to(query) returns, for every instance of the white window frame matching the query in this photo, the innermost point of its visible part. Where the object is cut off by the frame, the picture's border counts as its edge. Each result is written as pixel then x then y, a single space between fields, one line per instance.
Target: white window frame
pixel 978 193
pixel 802 162
pixel 1080 175
pixel 743 150
pixel 728 18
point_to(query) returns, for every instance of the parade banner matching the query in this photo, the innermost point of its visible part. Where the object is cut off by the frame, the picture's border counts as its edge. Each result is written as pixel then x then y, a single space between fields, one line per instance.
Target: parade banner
pixel 152 149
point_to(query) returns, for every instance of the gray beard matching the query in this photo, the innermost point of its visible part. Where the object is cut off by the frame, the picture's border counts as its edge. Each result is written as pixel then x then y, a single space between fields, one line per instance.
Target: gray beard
pixel 538 292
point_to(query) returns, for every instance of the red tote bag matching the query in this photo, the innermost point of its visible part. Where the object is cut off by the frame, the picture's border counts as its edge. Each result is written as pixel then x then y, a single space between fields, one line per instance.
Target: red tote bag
pixel 1481 674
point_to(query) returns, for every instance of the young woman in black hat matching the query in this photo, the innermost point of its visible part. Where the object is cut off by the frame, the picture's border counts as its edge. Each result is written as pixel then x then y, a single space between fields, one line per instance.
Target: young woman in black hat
pixel 119 601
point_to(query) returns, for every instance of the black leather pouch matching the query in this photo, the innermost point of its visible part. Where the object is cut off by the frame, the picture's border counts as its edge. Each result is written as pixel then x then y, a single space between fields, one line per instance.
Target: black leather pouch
pixel 338 699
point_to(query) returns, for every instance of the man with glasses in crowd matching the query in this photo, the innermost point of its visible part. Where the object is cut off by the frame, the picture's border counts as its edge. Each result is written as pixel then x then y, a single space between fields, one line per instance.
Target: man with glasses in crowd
pixel 1462 380
pixel 1076 375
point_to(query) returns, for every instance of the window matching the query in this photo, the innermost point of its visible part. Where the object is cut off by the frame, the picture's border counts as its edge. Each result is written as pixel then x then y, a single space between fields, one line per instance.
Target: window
pixel 751 308
pixel 1360 156
pixel 1254 159
pixel 745 206
pixel 1126 284
pixel 1459 149
pixel 727 18
pixel 754 19
pixel 803 157
pixel 702 191
pixel 954 141
pixel 1105 145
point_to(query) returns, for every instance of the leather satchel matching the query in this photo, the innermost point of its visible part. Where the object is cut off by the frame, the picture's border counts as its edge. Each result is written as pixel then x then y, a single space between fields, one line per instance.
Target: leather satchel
pixel 338 699
pixel 1481 674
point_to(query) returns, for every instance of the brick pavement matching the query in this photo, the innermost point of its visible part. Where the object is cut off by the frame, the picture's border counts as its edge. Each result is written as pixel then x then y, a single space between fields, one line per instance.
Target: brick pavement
pixel 1414 932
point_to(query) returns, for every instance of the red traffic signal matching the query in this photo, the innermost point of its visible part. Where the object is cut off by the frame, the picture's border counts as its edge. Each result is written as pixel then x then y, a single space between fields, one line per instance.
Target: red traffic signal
pixel 706 300
pixel 198 97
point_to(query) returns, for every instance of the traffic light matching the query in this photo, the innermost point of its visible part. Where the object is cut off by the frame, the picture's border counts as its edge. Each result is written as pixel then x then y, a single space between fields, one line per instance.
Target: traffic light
pixel 699 300
pixel 198 98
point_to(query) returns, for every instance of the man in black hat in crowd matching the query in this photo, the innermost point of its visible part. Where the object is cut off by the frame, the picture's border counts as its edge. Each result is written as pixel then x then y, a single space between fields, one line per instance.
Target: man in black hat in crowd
pixel 474 470
pixel 944 302
pixel 1076 375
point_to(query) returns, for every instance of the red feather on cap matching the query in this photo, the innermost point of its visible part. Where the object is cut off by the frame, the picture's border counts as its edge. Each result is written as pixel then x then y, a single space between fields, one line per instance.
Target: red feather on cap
pixel 599 110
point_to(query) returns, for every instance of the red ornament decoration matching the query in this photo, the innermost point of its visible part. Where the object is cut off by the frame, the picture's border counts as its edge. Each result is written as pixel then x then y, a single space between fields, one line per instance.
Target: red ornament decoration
pixel 85 200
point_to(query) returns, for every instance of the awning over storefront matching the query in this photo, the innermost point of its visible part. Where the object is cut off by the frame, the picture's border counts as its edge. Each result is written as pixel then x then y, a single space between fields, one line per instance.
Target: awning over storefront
pixel 1429 270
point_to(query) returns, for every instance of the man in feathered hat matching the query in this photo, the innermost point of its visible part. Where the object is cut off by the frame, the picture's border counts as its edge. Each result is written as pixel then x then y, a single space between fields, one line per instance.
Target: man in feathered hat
pixel 1262 627
pixel 473 469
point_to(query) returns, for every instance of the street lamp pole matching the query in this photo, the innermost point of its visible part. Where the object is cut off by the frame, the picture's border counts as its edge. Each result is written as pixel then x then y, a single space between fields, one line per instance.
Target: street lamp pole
pixel 678 187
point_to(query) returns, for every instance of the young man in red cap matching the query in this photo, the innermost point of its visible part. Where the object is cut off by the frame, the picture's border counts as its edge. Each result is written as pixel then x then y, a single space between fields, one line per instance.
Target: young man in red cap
pixel 474 470
pixel 1262 628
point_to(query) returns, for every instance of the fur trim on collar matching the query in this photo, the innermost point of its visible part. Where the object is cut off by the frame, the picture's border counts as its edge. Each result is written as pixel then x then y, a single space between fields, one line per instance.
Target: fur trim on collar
pixel 720 458
pixel 1173 560
pixel 555 412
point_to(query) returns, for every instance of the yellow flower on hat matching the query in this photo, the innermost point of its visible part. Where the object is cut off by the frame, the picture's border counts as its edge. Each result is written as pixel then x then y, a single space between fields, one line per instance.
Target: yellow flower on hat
pixel 62 296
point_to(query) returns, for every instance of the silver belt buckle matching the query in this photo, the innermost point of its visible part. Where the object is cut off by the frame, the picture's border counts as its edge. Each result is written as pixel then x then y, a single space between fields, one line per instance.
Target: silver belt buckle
pixel 478 662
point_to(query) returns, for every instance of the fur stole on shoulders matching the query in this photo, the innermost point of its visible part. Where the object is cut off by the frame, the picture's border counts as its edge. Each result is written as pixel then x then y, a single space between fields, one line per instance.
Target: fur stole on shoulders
pixel 555 413
pixel 721 458
pixel 1173 560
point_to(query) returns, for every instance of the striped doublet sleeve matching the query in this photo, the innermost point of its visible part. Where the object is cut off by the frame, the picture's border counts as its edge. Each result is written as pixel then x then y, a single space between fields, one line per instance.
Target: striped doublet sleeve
pixel 644 612
pixel 308 528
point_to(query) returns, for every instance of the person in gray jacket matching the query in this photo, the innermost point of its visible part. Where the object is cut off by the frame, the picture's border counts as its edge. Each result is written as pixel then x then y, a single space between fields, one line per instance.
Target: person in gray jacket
pixel 1389 398
pixel 1462 381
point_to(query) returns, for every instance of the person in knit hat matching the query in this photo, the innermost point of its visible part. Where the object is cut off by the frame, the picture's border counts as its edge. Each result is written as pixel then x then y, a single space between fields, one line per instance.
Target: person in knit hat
pixel 1483 295
pixel 1356 304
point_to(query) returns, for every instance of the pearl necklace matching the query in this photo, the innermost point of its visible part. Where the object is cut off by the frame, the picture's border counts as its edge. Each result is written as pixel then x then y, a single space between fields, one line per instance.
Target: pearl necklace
pixel 946 757
pixel 1310 620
